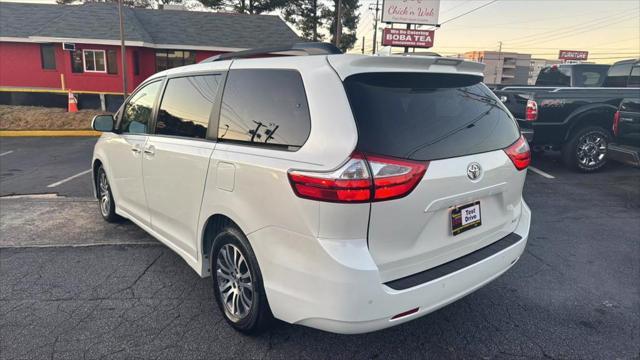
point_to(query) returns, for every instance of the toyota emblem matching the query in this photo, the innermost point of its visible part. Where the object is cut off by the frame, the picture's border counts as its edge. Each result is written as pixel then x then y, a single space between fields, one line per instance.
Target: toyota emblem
pixel 474 171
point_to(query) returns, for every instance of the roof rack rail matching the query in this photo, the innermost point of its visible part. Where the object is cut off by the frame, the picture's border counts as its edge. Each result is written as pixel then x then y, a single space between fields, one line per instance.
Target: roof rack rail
pixel 310 48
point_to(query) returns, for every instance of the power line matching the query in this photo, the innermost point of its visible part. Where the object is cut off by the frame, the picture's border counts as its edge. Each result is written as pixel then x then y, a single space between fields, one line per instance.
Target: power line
pixel 570 28
pixel 468 12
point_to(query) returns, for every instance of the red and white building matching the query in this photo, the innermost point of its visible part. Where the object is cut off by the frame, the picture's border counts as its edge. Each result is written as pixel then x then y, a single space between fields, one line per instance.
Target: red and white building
pixel 77 47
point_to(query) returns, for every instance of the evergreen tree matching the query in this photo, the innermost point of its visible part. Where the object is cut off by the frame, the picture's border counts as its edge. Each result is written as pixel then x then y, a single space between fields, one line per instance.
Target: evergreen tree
pixel 349 20
pixel 306 16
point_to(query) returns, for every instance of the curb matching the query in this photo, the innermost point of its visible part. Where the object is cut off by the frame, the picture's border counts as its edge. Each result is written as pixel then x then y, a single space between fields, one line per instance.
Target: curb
pixel 48 133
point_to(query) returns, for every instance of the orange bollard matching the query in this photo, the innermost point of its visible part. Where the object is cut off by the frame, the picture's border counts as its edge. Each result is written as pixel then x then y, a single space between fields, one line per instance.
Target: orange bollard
pixel 73 103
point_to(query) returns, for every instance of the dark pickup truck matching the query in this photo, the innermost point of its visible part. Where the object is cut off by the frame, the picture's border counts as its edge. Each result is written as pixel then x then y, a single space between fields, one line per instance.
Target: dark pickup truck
pixel 625 145
pixel 576 120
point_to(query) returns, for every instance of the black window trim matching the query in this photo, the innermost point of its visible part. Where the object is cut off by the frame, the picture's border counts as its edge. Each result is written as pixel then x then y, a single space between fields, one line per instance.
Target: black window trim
pixel 275 147
pixel 214 117
pixel 154 110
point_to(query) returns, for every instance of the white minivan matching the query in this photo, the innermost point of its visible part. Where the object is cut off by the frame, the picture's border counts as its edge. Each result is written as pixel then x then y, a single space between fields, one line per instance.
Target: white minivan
pixel 347 193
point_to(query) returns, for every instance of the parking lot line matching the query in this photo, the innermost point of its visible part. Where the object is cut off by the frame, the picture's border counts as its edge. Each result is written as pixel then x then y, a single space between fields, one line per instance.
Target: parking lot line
pixel 541 173
pixel 68 179
pixel 6 153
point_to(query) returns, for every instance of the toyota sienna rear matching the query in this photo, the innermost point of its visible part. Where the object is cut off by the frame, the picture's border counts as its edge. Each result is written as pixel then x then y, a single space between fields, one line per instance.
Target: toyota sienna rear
pixel 342 192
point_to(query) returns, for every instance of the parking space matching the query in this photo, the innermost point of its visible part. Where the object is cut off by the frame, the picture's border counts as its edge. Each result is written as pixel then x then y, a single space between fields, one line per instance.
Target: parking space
pixel 46 165
pixel 573 294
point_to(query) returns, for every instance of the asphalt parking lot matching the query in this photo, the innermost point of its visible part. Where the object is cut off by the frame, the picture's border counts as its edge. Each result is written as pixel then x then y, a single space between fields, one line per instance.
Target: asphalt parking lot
pixel 575 293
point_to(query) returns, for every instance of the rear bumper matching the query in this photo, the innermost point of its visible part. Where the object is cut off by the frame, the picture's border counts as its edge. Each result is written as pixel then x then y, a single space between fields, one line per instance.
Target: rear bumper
pixel 527 133
pixel 335 286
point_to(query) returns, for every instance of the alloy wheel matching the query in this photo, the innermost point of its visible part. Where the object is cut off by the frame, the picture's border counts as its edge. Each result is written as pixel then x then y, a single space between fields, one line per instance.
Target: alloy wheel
pixel 105 198
pixel 592 149
pixel 234 282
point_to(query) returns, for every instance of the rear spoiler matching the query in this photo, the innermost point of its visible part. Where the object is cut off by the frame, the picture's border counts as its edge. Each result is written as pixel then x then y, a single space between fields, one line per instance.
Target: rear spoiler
pixel 347 64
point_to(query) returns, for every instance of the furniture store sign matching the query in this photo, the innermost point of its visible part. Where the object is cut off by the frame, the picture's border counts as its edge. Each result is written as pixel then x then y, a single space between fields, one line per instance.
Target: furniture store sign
pixel 573 55
pixel 407 38
pixel 421 12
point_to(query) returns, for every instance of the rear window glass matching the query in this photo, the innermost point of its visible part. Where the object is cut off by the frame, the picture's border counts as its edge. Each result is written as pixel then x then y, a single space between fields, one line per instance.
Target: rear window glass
pixel 589 76
pixel 427 116
pixel 554 76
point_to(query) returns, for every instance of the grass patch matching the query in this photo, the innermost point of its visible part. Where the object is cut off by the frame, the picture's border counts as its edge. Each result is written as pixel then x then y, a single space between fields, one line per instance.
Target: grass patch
pixel 42 118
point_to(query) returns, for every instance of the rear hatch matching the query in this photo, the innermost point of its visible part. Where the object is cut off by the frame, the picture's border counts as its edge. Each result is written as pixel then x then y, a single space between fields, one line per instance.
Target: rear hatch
pixel 457 127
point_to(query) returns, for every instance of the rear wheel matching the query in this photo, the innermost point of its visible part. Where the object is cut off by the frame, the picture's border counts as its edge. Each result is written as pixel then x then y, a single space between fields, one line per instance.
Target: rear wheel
pixel 237 282
pixel 105 197
pixel 586 150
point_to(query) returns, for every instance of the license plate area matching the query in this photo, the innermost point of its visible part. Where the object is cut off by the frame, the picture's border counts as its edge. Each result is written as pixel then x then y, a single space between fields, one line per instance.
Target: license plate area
pixel 465 217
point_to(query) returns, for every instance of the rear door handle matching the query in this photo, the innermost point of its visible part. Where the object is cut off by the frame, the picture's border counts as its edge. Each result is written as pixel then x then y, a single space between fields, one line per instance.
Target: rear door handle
pixel 150 150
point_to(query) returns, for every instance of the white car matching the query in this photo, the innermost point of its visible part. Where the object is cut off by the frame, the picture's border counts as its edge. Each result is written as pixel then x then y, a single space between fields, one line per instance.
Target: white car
pixel 347 193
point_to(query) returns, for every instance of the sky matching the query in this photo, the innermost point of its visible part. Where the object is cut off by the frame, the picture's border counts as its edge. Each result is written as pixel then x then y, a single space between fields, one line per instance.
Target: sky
pixel 608 29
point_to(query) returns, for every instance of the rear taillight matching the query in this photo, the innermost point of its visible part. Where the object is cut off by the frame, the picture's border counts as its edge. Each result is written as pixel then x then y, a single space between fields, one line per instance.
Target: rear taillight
pixel 363 178
pixel 616 123
pixel 519 153
pixel 532 111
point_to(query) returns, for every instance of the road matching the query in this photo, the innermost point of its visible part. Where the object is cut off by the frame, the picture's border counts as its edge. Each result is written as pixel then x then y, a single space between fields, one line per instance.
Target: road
pixel 575 293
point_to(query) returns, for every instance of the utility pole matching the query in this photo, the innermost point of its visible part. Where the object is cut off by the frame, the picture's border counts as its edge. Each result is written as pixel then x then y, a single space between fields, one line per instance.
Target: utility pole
pixel 122 51
pixel 499 63
pixel 338 34
pixel 363 45
pixel 406 48
pixel 375 25
pixel 315 20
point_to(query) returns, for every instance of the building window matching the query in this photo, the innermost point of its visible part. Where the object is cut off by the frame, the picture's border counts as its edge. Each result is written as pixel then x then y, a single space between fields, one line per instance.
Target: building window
pixel 112 62
pixel 167 59
pixel 94 61
pixel 48 56
pixel 76 61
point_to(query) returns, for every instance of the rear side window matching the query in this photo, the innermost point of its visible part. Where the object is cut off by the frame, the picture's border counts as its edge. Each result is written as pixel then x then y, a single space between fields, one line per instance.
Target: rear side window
pixel 265 108
pixel 422 116
pixel 634 79
pixel 618 75
pixel 186 106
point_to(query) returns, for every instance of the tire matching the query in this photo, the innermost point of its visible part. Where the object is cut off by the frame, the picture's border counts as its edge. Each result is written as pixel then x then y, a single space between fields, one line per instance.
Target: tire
pixel 586 150
pixel 237 282
pixel 105 197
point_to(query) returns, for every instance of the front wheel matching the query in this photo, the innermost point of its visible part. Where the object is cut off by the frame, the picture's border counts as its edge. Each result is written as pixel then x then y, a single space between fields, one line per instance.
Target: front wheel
pixel 586 150
pixel 105 197
pixel 237 282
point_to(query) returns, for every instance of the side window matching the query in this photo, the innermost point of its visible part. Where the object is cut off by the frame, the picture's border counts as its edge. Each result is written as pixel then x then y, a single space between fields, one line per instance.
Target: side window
pixel 186 106
pixel 634 79
pixel 617 76
pixel 265 107
pixel 137 113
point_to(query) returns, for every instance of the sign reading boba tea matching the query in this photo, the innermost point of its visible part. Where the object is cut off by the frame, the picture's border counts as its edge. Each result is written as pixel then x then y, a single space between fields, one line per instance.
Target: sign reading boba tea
pixel 408 38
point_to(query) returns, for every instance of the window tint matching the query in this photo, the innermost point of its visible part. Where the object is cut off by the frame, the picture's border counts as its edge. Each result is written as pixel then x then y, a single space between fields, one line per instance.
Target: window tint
pixel 137 113
pixel 634 79
pixel 265 107
pixel 427 116
pixel 618 75
pixel 186 106
pixel 48 56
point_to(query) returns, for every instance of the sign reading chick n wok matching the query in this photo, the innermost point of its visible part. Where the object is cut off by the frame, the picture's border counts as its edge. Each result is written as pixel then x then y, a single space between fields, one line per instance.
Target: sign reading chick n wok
pixel 421 12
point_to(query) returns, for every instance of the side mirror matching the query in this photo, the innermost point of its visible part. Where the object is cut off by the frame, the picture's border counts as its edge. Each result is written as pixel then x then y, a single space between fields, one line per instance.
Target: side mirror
pixel 103 123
